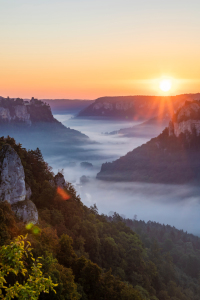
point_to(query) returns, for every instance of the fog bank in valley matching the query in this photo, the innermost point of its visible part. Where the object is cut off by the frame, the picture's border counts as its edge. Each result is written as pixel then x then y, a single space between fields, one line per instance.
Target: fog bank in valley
pixel 177 205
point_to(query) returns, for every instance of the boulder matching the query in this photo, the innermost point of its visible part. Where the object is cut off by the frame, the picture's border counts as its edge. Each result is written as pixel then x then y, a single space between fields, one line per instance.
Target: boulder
pixel 26 211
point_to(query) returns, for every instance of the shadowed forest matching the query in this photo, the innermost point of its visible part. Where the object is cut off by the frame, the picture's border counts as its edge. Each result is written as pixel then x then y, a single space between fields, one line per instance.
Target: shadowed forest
pixel 93 256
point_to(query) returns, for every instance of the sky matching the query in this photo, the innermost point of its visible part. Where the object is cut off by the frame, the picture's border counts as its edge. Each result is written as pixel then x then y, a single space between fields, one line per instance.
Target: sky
pixel 84 49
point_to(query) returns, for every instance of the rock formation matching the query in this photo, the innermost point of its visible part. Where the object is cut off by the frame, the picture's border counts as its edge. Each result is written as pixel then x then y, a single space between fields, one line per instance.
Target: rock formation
pixel 59 180
pixel 12 185
pixel 18 110
pixel 186 120
pixel 26 210
pixel 136 107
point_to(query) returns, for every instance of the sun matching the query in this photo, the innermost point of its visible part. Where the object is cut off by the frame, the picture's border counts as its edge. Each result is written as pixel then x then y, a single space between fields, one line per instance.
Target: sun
pixel 165 85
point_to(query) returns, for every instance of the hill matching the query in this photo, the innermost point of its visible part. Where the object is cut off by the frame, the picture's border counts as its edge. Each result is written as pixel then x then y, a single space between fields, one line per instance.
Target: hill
pixel 92 256
pixel 172 157
pixel 136 107
pixel 33 125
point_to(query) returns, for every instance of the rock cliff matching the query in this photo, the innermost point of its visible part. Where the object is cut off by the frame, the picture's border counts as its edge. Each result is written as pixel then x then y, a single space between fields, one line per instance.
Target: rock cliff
pixel 33 124
pixel 28 112
pixel 136 107
pixel 186 120
pixel 12 185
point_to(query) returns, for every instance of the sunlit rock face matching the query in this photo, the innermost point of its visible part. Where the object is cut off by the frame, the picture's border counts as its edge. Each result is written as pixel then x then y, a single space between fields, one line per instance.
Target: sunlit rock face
pixel 5 114
pixel 121 105
pixel 186 120
pixel 22 114
pixel 136 107
pixel 12 185
pixel 27 112
pixel 18 113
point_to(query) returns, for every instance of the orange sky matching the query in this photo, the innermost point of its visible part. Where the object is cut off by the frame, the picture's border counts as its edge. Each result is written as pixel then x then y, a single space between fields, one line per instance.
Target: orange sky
pixel 87 49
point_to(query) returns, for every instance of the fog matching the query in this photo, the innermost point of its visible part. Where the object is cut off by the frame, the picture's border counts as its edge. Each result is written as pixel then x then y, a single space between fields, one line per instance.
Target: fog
pixel 176 205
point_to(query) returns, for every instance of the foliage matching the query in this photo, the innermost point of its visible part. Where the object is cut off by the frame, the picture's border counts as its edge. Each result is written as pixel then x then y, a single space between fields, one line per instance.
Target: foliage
pixel 164 159
pixel 12 262
pixel 91 256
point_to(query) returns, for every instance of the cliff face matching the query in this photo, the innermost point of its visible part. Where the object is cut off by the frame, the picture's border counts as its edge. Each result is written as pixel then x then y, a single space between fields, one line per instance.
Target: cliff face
pixel 186 120
pixel 33 124
pixel 136 107
pixel 12 185
pixel 18 110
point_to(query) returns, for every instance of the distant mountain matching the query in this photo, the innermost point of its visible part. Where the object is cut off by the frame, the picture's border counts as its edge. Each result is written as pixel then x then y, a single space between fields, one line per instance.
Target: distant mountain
pixel 32 124
pixel 172 157
pixel 63 106
pixel 136 107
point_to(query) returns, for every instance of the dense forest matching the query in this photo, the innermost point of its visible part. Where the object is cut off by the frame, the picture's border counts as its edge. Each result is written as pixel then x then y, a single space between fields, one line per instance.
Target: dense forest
pixel 91 256
pixel 164 159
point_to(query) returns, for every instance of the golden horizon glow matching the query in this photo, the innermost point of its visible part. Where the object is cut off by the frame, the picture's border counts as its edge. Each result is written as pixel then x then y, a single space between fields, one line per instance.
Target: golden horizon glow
pixel 88 49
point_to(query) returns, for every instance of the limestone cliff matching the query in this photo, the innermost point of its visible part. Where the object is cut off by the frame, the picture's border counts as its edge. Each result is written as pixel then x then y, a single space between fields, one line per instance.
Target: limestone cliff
pixel 33 124
pixel 28 112
pixel 12 185
pixel 136 107
pixel 186 120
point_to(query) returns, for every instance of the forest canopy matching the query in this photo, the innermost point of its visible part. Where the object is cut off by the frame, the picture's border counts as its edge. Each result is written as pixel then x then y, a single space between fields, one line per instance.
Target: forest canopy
pixel 91 256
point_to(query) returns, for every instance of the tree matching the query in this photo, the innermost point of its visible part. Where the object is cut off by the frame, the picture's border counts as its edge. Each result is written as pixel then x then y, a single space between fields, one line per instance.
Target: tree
pixel 12 263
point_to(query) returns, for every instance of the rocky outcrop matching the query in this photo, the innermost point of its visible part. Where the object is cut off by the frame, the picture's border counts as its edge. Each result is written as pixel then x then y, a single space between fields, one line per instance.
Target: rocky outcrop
pixel 186 120
pixel 22 114
pixel 12 185
pixel 59 180
pixel 26 211
pixel 28 112
pixel 16 113
pixel 5 114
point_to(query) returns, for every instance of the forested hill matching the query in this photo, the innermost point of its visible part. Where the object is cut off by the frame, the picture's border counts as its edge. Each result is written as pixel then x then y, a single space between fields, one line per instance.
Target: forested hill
pixel 28 112
pixel 172 157
pixel 33 125
pixel 92 256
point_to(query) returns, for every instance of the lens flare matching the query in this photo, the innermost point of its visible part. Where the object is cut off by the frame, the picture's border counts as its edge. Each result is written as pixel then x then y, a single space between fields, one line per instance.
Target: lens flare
pixel 36 230
pixel 29 226
pixel 33 228
pixel 63 194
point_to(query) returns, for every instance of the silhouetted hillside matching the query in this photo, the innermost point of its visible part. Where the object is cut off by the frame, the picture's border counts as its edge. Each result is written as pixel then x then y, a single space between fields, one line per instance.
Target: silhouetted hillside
pixel 33 125
pixel 92 256
pixel 172 157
